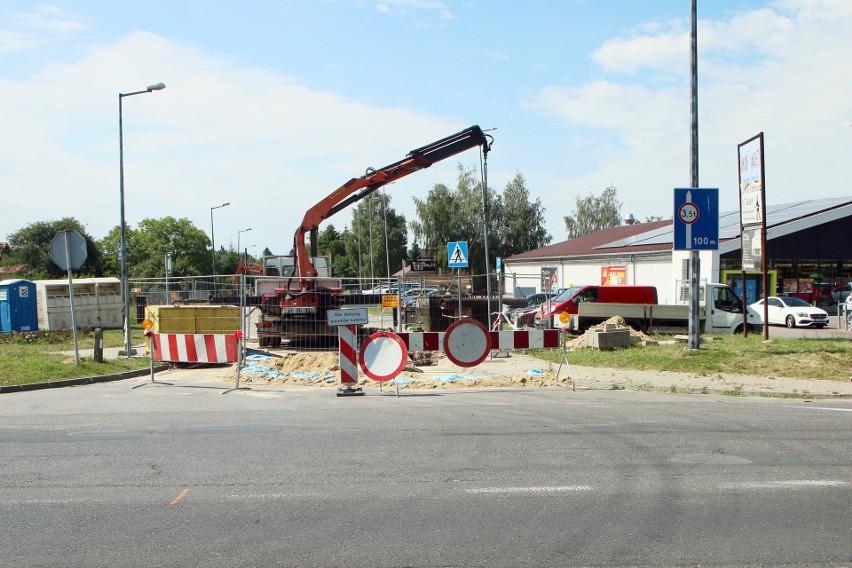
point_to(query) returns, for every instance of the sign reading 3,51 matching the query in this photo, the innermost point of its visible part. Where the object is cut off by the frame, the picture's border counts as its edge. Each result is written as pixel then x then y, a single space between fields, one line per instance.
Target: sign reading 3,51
pixel 696 218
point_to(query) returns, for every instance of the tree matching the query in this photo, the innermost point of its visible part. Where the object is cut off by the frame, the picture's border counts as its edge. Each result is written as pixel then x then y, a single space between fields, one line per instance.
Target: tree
pixel 514 224
pixel 30 246
pixel 148 245
pixel 330 243
pixel 594 213
pixel 371 218
pixel 522 226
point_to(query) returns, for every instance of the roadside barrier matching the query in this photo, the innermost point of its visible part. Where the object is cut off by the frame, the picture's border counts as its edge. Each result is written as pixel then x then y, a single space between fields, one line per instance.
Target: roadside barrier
pixel 512 340
pixel 195 348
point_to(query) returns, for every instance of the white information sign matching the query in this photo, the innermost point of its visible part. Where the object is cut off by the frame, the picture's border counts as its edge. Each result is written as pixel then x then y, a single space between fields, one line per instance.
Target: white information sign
pixel 353 316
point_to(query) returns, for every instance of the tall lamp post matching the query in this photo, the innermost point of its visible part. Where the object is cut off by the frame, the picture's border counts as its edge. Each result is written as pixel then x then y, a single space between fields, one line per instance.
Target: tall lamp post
pixel 125 290
pixel 238 240
pixel 213 238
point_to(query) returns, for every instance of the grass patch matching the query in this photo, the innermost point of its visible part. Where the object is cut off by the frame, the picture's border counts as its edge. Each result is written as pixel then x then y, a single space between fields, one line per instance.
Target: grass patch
pixel 27 358
pixel 826 359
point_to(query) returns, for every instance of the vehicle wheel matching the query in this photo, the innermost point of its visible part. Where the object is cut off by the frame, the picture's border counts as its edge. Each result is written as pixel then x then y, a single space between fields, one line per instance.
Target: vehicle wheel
pixel 791 321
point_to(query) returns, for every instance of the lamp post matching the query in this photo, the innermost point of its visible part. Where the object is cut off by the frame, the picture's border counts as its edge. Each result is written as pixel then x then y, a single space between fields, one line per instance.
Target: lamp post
pixel 213 238
pixel 125 290
pixel 238 239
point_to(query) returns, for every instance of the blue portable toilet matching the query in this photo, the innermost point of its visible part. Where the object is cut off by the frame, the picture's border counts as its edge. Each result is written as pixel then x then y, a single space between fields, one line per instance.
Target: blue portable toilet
pixel 18 306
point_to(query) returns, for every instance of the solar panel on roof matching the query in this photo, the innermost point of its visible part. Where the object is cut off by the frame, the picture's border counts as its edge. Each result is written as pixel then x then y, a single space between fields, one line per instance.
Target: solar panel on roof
pixel 729 221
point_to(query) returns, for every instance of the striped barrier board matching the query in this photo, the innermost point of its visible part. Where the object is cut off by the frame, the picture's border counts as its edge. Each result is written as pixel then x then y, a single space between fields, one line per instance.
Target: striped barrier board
pixel 513 340
pixel 348 354
pixel 194 348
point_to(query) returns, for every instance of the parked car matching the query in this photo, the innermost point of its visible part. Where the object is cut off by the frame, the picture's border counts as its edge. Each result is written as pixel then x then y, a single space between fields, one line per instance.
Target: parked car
pixel 840 293
pixel 790 311
pixel 524 317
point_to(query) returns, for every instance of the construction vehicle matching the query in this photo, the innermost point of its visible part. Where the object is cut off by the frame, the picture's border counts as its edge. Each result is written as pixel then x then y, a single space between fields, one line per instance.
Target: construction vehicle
pixel 298 311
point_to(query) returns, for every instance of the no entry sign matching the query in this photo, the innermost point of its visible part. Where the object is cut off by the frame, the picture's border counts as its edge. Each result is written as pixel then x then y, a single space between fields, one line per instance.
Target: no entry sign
pixel 383 356
pixel 467 343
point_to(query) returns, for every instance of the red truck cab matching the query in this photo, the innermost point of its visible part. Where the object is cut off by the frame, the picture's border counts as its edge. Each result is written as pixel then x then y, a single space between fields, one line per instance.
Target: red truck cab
pixel 568 300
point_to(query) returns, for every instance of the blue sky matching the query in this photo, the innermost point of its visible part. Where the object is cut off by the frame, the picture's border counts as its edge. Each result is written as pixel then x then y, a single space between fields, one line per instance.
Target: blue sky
pixel 272 105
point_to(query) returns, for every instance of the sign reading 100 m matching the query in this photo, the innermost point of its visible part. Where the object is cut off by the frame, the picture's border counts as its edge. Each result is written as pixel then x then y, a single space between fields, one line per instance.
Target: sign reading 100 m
pixel 696 218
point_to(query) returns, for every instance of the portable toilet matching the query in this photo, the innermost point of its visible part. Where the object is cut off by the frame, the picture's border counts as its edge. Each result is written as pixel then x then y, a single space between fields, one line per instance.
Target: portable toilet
pixel 18 306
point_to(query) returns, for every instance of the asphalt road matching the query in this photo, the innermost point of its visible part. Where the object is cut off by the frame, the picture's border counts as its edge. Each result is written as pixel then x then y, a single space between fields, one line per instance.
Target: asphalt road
pixel 184 475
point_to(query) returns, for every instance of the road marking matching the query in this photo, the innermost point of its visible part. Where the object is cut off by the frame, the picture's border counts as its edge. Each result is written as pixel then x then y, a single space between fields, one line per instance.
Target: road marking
pixel 556 489
pixel 830 408
pixel 792 484
pixel 177 499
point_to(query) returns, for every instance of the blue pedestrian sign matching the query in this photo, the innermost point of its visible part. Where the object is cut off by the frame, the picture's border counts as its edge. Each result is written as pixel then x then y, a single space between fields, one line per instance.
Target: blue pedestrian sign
pixel 457 254
pixel 696 218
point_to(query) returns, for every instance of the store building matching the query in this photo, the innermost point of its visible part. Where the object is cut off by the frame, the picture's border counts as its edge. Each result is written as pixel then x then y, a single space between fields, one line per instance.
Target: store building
pixel 808 253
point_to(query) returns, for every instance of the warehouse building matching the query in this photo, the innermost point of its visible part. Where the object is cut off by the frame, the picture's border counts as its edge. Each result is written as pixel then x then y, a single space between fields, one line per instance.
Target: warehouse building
pixel 808 253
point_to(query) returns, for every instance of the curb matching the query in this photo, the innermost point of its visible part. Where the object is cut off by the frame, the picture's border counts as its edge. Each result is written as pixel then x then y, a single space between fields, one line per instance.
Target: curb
pixel 81 381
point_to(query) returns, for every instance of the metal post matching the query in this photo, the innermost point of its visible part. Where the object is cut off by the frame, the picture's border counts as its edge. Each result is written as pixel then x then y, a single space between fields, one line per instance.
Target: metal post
pixel 212 235
pixel 71 295
pixel 125 289
pixel 694 259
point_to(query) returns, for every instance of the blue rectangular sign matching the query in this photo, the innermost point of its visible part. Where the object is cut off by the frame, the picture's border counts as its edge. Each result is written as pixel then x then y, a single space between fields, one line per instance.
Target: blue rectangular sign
pixel 457 254
pixel 696 218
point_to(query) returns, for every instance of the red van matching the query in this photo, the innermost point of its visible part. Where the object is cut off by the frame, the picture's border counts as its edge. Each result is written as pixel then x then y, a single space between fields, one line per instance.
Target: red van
pixel 568 300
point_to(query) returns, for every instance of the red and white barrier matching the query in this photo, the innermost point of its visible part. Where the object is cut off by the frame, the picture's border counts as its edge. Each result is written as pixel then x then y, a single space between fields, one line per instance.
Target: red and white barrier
pixel 194 348
pixel 525 339
pixel 348 354
pixel 522 339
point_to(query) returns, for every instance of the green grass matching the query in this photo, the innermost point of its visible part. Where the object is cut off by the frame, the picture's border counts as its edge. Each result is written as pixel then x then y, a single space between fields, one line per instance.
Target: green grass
pixel 734 354
pixel 27 358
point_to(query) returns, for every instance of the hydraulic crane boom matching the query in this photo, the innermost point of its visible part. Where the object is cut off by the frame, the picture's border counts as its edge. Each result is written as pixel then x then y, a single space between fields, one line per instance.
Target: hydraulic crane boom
pixel 357 189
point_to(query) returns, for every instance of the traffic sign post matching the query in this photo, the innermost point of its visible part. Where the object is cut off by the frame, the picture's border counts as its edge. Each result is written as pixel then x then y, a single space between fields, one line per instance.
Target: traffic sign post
pixel 68 251
pixel 457 254
pixel 457 258
pixel 696 218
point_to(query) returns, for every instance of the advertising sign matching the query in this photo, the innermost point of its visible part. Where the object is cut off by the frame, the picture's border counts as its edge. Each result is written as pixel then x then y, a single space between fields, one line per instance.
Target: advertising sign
pixel 548 280
pixel 423 265
pixel 751 181
pixel 752 254
pixel 613 275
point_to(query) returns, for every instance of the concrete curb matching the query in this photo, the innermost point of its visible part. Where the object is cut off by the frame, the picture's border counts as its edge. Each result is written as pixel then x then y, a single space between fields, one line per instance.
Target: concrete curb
pixel 81 381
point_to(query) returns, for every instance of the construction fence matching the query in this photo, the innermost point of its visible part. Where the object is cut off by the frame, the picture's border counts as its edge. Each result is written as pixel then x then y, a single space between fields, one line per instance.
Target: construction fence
pixel 275 312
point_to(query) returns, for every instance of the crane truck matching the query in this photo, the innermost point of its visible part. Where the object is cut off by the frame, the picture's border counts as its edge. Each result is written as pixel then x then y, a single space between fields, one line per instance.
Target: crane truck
pixel 298 311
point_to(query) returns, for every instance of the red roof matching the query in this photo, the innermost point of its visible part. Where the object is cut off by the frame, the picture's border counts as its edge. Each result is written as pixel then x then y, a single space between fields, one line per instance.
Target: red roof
pixel 596 243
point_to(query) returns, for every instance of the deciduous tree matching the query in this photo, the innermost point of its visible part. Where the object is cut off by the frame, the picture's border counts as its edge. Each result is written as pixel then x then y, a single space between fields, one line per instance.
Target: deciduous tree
pixel 594 213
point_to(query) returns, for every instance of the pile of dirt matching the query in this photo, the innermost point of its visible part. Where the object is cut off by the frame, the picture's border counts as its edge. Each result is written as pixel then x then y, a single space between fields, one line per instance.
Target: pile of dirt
pixel 425 370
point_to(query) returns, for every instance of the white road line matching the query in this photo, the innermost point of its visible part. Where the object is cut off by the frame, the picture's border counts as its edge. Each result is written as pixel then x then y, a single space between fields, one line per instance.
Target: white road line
pixel 830 408
pixel 557 489
pixel 792 484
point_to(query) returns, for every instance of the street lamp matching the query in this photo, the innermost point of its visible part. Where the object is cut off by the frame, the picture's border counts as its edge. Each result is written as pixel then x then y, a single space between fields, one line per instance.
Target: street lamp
pixel 238 239
pixel 212 238
pixel 125 291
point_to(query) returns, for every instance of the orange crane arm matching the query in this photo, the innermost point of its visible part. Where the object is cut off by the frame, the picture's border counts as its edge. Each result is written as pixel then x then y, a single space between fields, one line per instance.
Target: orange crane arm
pixel 357 189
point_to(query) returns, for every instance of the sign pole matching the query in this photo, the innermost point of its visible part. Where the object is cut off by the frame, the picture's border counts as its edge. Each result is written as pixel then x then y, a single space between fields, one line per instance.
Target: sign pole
pixel 71 293
pixel 694 258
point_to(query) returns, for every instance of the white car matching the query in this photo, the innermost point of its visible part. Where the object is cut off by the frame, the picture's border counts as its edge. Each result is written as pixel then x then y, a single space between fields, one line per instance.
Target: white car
pixel 791 311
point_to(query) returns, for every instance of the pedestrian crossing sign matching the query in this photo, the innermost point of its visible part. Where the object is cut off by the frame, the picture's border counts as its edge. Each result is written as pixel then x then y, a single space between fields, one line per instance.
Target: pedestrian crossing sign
pixel 457 254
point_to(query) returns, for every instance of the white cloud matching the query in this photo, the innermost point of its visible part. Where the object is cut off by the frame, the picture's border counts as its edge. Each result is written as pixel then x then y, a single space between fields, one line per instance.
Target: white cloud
pixel 30 29
pixel 781 70
pixel 408 6
pixel 220 131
